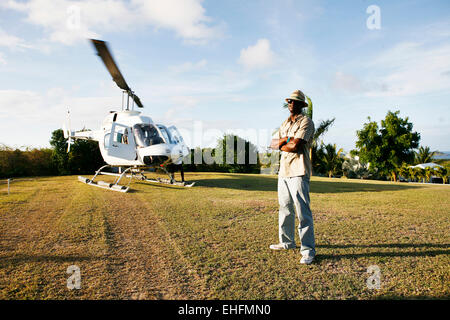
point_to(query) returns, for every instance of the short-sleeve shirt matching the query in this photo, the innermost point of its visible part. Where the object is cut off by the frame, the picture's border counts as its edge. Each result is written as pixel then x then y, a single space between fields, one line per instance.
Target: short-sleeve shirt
pixel 293 164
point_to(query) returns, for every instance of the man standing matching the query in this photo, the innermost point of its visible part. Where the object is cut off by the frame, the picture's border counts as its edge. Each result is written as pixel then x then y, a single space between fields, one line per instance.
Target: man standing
pixel 294 140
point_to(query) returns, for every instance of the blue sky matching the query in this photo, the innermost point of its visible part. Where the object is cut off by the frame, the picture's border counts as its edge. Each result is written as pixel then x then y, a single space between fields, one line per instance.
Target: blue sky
pixel 217 66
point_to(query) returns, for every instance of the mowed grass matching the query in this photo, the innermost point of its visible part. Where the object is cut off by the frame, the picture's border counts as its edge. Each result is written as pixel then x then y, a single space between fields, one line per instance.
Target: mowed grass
pixel 212 241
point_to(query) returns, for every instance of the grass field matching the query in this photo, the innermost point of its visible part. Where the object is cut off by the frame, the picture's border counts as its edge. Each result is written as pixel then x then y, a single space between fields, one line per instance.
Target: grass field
pixel 212 241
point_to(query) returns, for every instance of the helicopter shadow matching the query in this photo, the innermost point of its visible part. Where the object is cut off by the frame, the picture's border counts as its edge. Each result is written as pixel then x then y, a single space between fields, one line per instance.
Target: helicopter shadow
pixel 158 185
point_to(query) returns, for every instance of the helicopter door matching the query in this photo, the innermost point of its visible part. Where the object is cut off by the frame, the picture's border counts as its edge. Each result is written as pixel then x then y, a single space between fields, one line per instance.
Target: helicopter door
pixel 176 136
pixel 121 142
pixel 182 148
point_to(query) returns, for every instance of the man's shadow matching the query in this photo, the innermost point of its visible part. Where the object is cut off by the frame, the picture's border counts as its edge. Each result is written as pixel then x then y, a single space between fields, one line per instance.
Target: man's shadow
pixel 439 249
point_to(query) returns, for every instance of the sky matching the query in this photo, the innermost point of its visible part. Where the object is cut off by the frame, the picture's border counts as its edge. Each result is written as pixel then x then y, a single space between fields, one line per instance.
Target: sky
pixel 213 67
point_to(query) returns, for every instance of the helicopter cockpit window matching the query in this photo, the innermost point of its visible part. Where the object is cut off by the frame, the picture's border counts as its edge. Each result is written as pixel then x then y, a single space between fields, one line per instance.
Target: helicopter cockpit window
pixel 165 133
pixel 121 135
pixel 176 136
pixel 146 135
pixel 107 137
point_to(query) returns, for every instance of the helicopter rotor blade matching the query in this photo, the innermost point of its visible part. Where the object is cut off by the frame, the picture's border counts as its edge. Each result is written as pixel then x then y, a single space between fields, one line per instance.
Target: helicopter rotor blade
pixel 104 53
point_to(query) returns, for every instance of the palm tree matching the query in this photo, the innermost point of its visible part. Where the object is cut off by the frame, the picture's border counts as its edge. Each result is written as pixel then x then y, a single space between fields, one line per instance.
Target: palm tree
pixel 413 173
pixel 416 173
pixel 332 160
pixel 429 171
pixel 404 171
pixel 309 110
pixel 421 174
pixel 424 155
pixel 442 173
pixel 321 130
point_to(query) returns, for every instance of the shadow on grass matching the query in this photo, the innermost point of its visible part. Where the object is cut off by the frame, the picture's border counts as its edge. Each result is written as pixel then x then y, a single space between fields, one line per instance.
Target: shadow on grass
pixel 269 183
pixel 20 259
pixel 387 245
pixel 439 297
pixel 240 182
pixel 419 246
pixel 350 186
pixel 159 185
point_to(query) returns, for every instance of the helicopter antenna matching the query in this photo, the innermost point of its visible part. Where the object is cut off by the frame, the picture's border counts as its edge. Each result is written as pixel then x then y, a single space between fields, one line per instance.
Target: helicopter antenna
pixel 66 131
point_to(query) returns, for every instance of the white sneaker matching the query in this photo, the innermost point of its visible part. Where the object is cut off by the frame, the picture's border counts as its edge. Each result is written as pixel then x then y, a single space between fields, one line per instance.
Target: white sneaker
pixel 278 246
pixel 306 260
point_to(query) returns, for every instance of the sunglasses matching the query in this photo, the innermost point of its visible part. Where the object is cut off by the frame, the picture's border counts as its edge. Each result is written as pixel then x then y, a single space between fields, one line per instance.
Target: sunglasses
pixel 289 101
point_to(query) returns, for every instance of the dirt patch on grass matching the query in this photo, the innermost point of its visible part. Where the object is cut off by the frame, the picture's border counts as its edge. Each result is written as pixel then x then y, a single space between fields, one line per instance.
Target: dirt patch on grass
pixel 142 258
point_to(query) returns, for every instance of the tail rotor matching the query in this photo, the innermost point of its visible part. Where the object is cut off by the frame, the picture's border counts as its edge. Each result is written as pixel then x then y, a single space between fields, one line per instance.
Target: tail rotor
pixel 67 132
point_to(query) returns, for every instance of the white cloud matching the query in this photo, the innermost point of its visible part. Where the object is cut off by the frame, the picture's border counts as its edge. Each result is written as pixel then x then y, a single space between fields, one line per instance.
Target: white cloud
pixel 36 114
pixel 50 107
pixel 187 18
pixel 412 68
pixel 188 66
pixel 257 56
pixel 182 104
pixel 352 84
pixel 10 41
pixel 347 82
pixel 23 102
pixel 2 59
pixel 70 21
pixel 406 69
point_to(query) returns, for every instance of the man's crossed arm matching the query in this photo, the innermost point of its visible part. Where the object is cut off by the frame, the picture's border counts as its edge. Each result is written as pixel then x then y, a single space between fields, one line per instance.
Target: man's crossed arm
pixel 282 144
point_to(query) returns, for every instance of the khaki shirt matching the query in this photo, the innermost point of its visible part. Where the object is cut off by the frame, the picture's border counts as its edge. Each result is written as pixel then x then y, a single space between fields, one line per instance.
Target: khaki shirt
pixel 293 164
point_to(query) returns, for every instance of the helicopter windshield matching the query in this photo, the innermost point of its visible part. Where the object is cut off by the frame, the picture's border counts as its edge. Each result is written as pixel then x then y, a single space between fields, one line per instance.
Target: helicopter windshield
pixel 165 133
pixel 146 135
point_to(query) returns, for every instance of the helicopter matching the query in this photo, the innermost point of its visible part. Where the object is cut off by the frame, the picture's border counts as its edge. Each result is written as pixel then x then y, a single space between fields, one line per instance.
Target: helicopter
pixel 131 143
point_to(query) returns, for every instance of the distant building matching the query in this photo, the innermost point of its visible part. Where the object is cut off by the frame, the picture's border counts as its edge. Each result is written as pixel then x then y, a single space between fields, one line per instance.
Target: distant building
pixel 426 165
pixel 433 179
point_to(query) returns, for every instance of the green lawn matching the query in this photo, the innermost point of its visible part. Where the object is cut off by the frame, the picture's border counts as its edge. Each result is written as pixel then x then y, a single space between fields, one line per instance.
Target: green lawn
pixel 212 241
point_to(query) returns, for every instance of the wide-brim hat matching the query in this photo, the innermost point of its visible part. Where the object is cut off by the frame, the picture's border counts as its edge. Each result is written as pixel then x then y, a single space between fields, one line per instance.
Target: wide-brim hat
pixel 297 95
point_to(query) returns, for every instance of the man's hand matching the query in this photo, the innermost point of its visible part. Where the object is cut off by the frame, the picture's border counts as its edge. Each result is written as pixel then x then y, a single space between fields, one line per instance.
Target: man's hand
pixel 276 144
pixel 293 145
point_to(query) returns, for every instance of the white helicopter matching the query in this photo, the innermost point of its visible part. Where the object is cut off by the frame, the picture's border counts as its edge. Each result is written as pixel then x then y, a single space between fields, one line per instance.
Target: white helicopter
pixel 130 142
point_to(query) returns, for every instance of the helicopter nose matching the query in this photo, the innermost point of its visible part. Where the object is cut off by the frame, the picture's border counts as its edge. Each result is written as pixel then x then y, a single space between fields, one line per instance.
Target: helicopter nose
pixel 155 160
pixel 154 155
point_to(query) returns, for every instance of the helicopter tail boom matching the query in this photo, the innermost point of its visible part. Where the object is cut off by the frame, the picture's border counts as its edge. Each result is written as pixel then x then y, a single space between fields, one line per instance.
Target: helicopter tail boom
pixel 71 136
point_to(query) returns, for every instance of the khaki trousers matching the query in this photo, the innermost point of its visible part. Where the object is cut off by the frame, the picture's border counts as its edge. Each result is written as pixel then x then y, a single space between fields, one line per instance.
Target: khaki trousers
pixel 293 195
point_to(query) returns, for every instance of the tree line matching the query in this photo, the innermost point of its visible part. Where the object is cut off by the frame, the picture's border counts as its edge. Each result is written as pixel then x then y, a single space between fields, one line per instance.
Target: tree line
pixel 385 151
pixel 84 158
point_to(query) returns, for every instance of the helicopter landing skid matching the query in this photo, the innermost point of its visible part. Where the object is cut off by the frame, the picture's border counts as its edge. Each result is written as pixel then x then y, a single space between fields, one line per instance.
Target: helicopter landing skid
pixel 105 185
pixel 126 173
pixel 168 181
